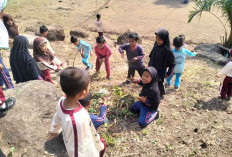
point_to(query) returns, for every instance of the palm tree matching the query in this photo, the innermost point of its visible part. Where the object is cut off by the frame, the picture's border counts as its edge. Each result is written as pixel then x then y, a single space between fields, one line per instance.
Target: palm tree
pixel 207 5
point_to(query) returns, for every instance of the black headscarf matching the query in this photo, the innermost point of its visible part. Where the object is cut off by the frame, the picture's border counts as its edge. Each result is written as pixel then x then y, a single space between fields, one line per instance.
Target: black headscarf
pixel 162 56
pixel 151 90
pixel 22 64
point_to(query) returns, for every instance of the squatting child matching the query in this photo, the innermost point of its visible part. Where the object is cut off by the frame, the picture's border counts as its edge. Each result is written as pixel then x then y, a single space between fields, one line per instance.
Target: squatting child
pixel 79 134
pixel 226 90
pixel 103 53
pixel 162 57
pixel 149 98
pixel 180 55
pixel 135 55
pixel 96 120
pixel 85 50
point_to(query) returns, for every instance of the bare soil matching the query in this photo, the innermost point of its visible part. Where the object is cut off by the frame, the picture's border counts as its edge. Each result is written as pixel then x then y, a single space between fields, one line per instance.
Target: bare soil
pixel 193 121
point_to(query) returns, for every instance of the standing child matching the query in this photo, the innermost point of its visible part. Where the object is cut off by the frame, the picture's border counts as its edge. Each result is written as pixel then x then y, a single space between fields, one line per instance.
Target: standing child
pixel 149 98
pixel 11 27
pixel 99 25
pixel 135 55
pixel 96 120
pixel 85 50
pixel 103 53
pixel 79 134
pixel 180 55
pixel 162 57
pixel 226 91
pixel 45 59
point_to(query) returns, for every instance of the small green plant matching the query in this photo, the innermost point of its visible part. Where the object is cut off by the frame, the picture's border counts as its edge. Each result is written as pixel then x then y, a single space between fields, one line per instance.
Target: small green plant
pixel 118 91
pixel 110 140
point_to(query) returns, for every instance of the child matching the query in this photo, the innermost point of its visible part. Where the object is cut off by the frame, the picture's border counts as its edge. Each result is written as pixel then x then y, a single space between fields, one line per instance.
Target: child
pixel 11 27
pixel 103 53
pixel 85 50
pixel 96 120
pixel 43 33
pixel 149 98
pixel 5 105
pixel 4 37
pixel 99 25
pixel 45 59
pixel 135 55
pixel 79 134
pixel 180 54
pixel 226 91
pixel 162 57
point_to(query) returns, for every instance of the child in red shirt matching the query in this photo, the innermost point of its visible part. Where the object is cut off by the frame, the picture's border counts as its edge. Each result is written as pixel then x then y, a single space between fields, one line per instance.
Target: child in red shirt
pixel 103 53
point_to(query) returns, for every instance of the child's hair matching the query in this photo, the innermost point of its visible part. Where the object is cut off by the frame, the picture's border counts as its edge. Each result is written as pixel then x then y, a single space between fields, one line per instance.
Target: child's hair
pixel 178 42
pixel 134 36
pixel 73 81
pixel 98 16
pixel 43 29
pixel 100 40
pixel 85 102
pixel 182 36
pixel 74 39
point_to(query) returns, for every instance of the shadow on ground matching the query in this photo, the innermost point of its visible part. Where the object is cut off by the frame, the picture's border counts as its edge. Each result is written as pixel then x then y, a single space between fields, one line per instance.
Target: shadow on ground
pixel 56 146
pixel 170 3
pixel 213 104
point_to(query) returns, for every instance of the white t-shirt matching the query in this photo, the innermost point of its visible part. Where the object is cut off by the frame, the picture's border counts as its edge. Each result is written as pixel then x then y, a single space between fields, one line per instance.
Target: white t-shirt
pixel 79 134
pixel 4 37
pixel 226 70
pixel 99 26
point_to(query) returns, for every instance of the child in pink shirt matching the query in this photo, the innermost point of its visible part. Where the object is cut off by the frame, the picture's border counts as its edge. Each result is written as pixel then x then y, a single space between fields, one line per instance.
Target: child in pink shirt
pixel 103 53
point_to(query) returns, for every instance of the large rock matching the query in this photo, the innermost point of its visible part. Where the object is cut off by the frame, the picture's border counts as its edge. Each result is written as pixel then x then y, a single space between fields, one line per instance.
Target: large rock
pixel 78 33
pixel 211 52
pixel 55 33
pixel 123 39
pixel 27 123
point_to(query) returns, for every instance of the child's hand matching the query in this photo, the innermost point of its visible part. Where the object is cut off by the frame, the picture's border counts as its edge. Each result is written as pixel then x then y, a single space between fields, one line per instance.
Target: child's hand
pixel 134 59
pixel 134 80
pixel 1 67
pixel 82 55
pixel 166 76
pixel 122 55
pixel 142 99
pixel 51 135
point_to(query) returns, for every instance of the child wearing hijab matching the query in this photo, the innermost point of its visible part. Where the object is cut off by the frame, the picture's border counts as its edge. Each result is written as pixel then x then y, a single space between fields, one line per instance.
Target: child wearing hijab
pixel 11 27
pixel 96 120
pixel 23 66
pixel 149 98
pixel 180 54
pixel 45 59
pixel 103 53
pixel 135 55
pixel 226 90
pixel 162 57
pixel 85 49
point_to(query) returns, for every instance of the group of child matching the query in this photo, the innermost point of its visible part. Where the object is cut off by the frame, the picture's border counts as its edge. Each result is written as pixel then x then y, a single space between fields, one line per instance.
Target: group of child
pixel 72 118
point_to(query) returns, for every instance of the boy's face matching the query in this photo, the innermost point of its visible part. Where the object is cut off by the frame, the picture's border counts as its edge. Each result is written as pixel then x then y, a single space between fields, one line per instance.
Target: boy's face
pixel 146 77
pixel 76 43
pixel 44 34
pixel 100 45
pixel 132 42
pixel 43 47
pixel 159 40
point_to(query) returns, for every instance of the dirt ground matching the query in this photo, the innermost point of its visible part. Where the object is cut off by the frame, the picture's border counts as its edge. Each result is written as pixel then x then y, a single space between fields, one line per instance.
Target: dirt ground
pixel 193 121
